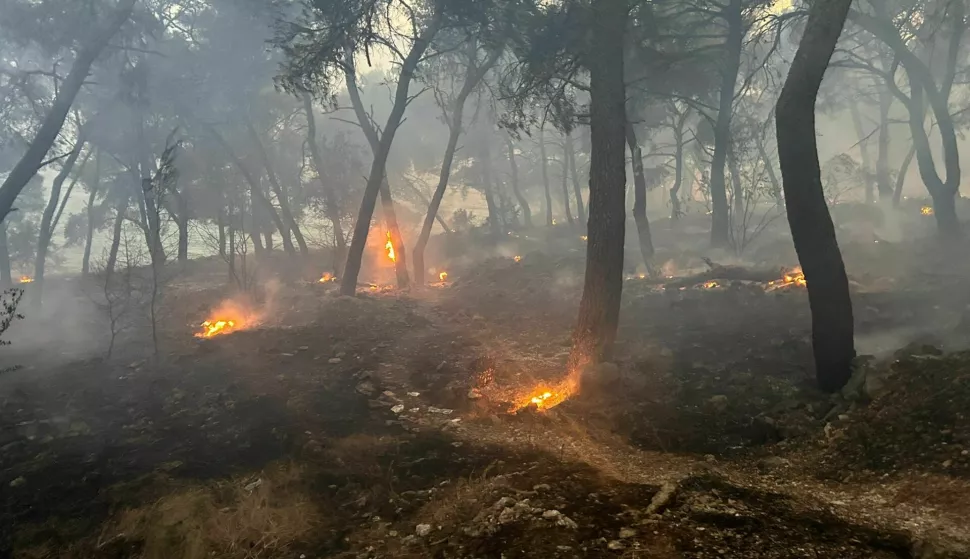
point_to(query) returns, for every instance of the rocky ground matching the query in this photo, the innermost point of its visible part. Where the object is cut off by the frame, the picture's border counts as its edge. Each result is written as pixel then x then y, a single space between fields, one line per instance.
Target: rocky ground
pixel 392 425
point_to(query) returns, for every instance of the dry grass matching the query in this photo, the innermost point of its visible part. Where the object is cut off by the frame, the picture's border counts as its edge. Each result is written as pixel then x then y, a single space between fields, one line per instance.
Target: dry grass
pixel 231 519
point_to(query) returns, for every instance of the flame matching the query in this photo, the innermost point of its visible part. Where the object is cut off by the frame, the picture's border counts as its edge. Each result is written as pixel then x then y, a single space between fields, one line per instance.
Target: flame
pixel 545 396
pixel 327 277
pixel 215 327
pixel 794 277
pixel 710 284
pixel 584 237
pixel 517 258
pixel 26 279
pixel 389 246
pixel 443 276
pixel 926 210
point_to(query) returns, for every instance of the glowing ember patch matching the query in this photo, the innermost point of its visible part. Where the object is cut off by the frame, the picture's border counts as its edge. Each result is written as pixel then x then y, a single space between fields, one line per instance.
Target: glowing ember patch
pixel 584 237
pixel 517 258
pixel 926 210
pixel 327 277
pixel 443 276
pixel 793 278
pixel 642 276
pixel 26 279
pixel 215 327
pixel 389 247
pixel 710 284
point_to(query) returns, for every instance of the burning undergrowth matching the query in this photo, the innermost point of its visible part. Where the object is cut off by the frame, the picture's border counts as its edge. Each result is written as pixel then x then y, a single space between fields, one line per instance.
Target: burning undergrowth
pixel 242 312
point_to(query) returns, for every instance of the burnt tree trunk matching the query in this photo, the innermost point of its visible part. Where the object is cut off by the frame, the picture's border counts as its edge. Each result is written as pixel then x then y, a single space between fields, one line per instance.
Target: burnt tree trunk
pixel 599 308
pixel 720 223
pixel 120 210
pixel 640 198
pixel 577 189
pixel 89 211
pixel 332 208
pixel 811 225
pixel 516 188
pixel 545 176
pixel 901 175
pixel 376 181
pixel 31 161
pixel 46 229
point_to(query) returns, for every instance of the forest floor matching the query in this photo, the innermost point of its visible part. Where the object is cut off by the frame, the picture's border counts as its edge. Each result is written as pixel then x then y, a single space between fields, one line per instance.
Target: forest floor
pixel 396 425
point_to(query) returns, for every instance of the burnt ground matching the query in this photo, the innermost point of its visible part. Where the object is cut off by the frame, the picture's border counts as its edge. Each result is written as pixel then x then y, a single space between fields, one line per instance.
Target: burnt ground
pixel 386 426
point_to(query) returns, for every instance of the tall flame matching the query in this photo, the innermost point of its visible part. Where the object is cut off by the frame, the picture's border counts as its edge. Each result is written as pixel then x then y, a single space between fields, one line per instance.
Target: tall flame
pixel 389 246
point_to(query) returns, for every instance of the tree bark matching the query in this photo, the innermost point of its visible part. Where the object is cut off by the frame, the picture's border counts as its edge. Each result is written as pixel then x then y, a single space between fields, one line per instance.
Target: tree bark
pixel 811 225
pixel 89 237
pixel 31 161
pixel 382 148
pixel 863 152
pixel 675 211
pixel 288 220
pixel 545 176
pixel 6 276
pixel 640 199
pixel 149 197
pixel 495 225
pixel 577 189
pixel 120 210
pixel 720 222
pixel 565 185
pixel 332 209
pixel 901 175
pixel 46 231
pixel 514 168
pixel 599 308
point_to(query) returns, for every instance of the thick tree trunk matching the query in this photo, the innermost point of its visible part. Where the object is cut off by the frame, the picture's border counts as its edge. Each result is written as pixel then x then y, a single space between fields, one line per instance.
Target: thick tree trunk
pixel 332 209
pixel 31 161
pixel 640 199
pixel 46 230
pixel 901 175
pixel 516 190
pixel 883 181
pixel 720 223
pixel 577 189
pixel 120 210
pixel 376 181
pixel 545 177
pixel 288 220
pixel 870 193
pixel 6 276
pixel 811 225
pixel 599 308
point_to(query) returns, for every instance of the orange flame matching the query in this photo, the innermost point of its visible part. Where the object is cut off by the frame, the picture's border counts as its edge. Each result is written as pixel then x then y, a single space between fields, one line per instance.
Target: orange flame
pixel 792 278
pixel 215 327
pixel 710 284
pixel 327 277
pixel 926 210
pixel 26 279
pixel 443 276
pixel 389 246
pixel 517 258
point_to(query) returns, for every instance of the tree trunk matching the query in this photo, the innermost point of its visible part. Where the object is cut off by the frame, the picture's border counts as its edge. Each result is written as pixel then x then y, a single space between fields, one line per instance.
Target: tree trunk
pixel 439 192
pixel 901 176
pixel 599 308
pixel 70 189
pixel 222 235
pixel 89 237
pixel 720 224
pixel 514 168
pixel 31 161
pixel 268 236
pixel 376 181
pixel 577 189
pixel 182 220
pixel 332 209
pixel 46 231
pixel 6 276
pixel 565 185
pixel 120 210
pixel 883 181
pixel 495 225
pixel 545 176
pixel 289 221
pixel 640 198
pixel 811 225
pixel 737 188
pixel 151 198
pixel 769 170
pixel 675 211
pixel 863 152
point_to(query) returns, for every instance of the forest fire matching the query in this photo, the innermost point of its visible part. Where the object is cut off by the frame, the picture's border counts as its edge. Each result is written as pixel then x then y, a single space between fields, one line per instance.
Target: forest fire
pixel 389 247
pixel 26 279
pixel 517 258
pixel 710 284
pixel 212 328
pixel 443 276
pixel 792 278
pixel 327 277
pixel 926 210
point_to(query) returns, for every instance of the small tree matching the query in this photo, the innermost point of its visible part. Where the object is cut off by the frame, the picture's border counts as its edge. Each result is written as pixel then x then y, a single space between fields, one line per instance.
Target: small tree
pixel 9 299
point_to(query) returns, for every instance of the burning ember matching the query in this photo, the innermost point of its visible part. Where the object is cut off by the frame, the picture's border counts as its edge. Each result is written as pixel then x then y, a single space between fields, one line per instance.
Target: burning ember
pixel 215 327
pixel 926 210
pixel 327 277
pixel 545 397
pixel 517 258
pixel 389 246
pixel 584 237
pixel 794 277
pixel 443 276
pixel 26 279
pixel 710 284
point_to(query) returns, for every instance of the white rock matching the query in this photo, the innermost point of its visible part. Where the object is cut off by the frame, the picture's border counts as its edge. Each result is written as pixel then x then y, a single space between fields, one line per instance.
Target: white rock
pixel 334 360
pixel 615 545
pixel 422 530
pixel 398 408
